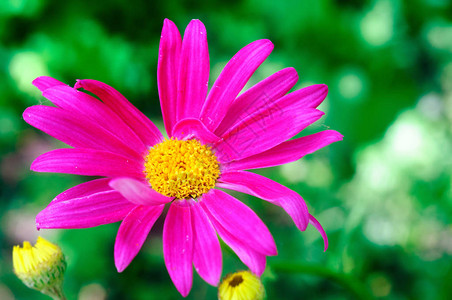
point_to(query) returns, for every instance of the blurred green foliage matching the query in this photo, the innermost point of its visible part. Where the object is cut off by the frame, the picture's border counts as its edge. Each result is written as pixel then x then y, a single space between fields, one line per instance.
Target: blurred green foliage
pixel 383 194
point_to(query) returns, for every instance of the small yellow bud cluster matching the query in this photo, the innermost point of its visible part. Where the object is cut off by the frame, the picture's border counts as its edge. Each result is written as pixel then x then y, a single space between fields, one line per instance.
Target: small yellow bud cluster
pixel 40 267
pixel 181 169
pixel 242 285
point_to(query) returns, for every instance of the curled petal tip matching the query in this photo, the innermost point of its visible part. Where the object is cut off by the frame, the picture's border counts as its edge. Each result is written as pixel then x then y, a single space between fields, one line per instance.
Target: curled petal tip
pixel 313 221
pixel 78 84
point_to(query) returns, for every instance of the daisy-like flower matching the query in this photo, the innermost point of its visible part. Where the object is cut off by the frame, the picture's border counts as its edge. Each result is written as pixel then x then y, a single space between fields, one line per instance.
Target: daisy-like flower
pixel 213 137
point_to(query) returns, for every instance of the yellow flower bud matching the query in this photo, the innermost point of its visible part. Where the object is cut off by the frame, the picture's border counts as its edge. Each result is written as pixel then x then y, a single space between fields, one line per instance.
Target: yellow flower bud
pixel 242 285
pixel 40 267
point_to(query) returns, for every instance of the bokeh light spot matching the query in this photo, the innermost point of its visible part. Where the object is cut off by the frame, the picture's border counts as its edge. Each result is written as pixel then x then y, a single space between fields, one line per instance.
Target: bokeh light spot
pixel 24 68
pixel 377 26
pixel 350 86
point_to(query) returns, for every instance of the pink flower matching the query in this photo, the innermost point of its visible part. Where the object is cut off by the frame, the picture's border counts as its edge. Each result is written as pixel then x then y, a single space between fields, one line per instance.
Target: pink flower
pixel 214 137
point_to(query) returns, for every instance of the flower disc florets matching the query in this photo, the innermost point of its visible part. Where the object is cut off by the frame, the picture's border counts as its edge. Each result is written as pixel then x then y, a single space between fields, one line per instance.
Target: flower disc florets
pixel 181 169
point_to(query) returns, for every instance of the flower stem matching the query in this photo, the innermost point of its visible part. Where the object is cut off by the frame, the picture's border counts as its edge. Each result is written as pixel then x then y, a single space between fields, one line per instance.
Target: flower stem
pixel 349 282
pixel 56 292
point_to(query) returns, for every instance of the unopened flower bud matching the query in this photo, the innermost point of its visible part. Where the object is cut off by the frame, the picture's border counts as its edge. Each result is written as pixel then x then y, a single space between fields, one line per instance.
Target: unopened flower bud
pixel 40 267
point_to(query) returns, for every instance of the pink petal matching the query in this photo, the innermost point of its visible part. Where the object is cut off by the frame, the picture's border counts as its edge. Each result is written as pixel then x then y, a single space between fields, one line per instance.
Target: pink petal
pixel 88 211
pixel 178 246
pixel 193 71
pixel 319 227
pixel 311 96
pixel 258 97
pixel 82 104
pixel 133 233
pixel 267 189
pixel 254 260
pixel 239 220
pixel 138 192
pixel 45 82
pixel 231 81
pixel 75 130
pixel 207 257
pixel 84 189
pixel 273 124
pixel 136 120
pixel 264 130
pixel 167 72
pixel 286 152
pixel 194 128
pixel 87 162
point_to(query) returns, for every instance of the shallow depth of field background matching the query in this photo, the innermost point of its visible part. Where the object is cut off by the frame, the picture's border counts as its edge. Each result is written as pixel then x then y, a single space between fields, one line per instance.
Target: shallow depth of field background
pixel 383 194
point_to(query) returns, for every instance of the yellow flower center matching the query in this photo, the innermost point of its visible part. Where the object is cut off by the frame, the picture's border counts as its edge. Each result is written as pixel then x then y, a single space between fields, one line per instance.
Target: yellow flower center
pixel 181 169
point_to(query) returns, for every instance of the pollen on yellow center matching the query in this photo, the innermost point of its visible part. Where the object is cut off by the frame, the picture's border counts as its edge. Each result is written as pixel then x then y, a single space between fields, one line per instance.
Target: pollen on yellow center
pixel 181 169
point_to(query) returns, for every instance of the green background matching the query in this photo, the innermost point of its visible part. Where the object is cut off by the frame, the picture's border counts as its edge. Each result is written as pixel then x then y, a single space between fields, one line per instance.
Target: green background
pixel 383 194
